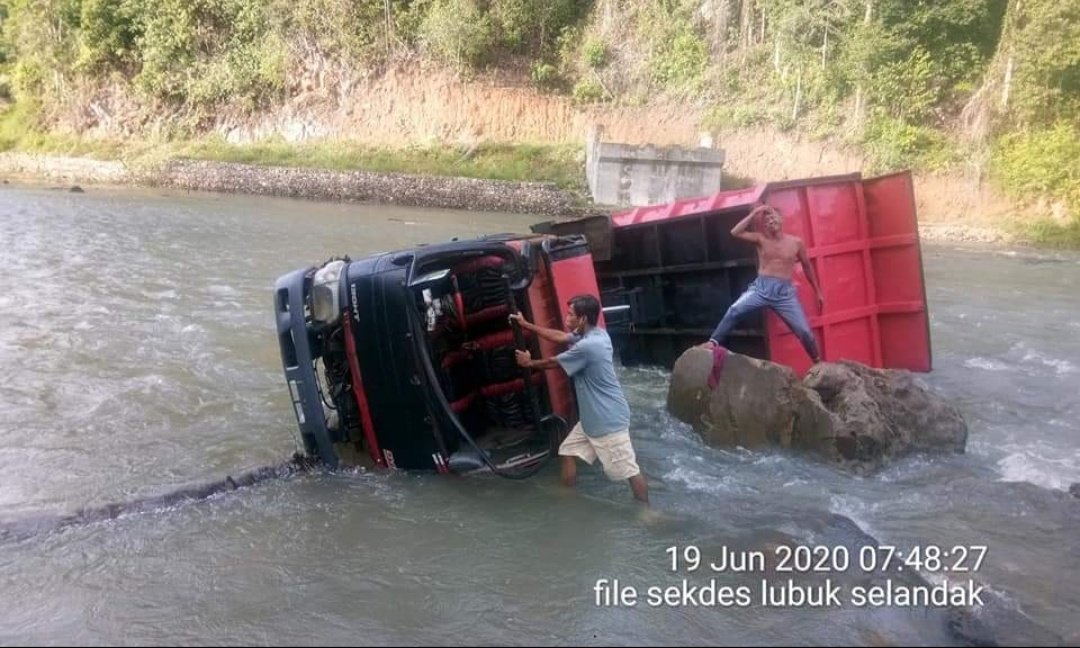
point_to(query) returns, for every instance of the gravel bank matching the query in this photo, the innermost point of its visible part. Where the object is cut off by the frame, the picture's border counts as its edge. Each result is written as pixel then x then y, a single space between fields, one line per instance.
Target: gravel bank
pixel 350 186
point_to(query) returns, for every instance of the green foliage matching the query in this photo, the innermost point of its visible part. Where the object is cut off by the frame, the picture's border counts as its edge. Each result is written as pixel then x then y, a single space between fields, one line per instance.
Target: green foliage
pixel 557 164
pixel 1045 232
pixel 108 34
pixel 40 36
pixel 677 52
pixel 595 53
pixel 726 116
pixel 907 90
pixel 1041 163
pixel 544 75
pixel 532 26
pixel 867 49
pixel 682 64
pixel 210 52
pixel 457 32
pixel 588 90
pixel 16 121
pixel 344 30
pixel 894 144
pixel 470 33
pixel 958 37
pixel 1045 40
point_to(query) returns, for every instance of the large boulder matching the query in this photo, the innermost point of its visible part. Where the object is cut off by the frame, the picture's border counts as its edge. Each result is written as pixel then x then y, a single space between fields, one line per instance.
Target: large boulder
pixel 885 412
pixel 755 403
pixel 845 411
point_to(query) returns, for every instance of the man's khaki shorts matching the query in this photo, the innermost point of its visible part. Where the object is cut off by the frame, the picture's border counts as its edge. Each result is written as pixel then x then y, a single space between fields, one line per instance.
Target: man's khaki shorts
pixel 615 451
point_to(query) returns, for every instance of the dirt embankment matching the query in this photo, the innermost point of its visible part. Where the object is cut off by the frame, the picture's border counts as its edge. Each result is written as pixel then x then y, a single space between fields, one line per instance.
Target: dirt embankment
pixel 423 107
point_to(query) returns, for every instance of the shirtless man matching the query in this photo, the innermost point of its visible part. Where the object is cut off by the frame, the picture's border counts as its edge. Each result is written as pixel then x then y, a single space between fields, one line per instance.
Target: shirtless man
pixel 777 254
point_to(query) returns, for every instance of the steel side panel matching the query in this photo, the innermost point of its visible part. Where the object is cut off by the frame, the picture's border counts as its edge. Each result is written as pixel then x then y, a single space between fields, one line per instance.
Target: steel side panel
pixel 572 277
pixel 547 312
pixel 898 272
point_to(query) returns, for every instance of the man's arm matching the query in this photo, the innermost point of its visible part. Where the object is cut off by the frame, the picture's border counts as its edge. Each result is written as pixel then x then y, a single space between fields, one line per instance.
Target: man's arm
pixel 739 231
pixel 549 334
pixel 811 276
pixel 524 359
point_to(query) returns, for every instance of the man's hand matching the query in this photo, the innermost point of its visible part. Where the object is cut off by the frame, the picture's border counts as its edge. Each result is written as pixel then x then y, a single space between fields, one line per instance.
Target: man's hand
pixel 519 318
pixel 523 357
pixel 821 303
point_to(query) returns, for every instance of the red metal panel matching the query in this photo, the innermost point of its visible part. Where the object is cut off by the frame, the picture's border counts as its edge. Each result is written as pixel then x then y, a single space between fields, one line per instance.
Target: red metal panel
pixel 906 342
pixel 716 202
pixel 890 205
pixel 852 340
pixel 835 213
pixel 845 282
pixel 547 312
pixel 575 276
pixel 897 272
pixel 894 268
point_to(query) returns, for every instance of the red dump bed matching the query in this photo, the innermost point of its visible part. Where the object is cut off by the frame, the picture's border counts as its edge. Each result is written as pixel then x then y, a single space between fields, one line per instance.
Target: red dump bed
pixel 862 238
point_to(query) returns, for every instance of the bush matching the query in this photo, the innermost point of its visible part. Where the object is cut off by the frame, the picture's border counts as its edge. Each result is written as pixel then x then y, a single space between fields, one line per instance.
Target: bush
pixel 595 53
pixel 205 53
pixel 532 26
pixel 1046 232
pixel 681 65
pixel 588 91
pixel 345 30
pixel 1041 163
pixel 733 116
pixel 544 75
pixel 108 34
pixel 16 121
pixel 895 144
pixel 907 89
pixel 457 32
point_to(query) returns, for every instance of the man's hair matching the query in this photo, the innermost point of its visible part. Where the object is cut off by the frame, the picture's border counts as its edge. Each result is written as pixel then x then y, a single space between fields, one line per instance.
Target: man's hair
pixel 586 306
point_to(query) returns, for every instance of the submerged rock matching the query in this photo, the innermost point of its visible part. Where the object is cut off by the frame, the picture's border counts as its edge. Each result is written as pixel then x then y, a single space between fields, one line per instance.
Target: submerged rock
pixel 845 411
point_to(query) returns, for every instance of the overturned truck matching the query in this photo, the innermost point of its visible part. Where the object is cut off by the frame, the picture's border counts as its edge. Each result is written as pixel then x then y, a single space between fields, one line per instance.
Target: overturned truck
pixel 406 359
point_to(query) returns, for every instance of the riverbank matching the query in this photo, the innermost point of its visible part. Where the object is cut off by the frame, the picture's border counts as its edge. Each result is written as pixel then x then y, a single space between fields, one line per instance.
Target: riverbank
pixel 412 190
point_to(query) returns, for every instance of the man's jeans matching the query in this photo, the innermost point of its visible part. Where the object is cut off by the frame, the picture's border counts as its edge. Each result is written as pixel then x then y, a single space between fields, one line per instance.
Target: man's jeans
pixel 777 294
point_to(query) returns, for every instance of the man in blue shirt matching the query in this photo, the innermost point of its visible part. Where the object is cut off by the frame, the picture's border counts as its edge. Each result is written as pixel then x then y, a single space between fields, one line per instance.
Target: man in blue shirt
pixel 604 428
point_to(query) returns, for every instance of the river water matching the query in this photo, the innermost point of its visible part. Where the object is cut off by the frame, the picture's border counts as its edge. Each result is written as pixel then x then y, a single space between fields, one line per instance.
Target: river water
pixel 139 355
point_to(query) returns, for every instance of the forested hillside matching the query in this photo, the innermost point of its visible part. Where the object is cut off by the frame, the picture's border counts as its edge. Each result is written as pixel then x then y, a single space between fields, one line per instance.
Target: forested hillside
pixel 990 86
